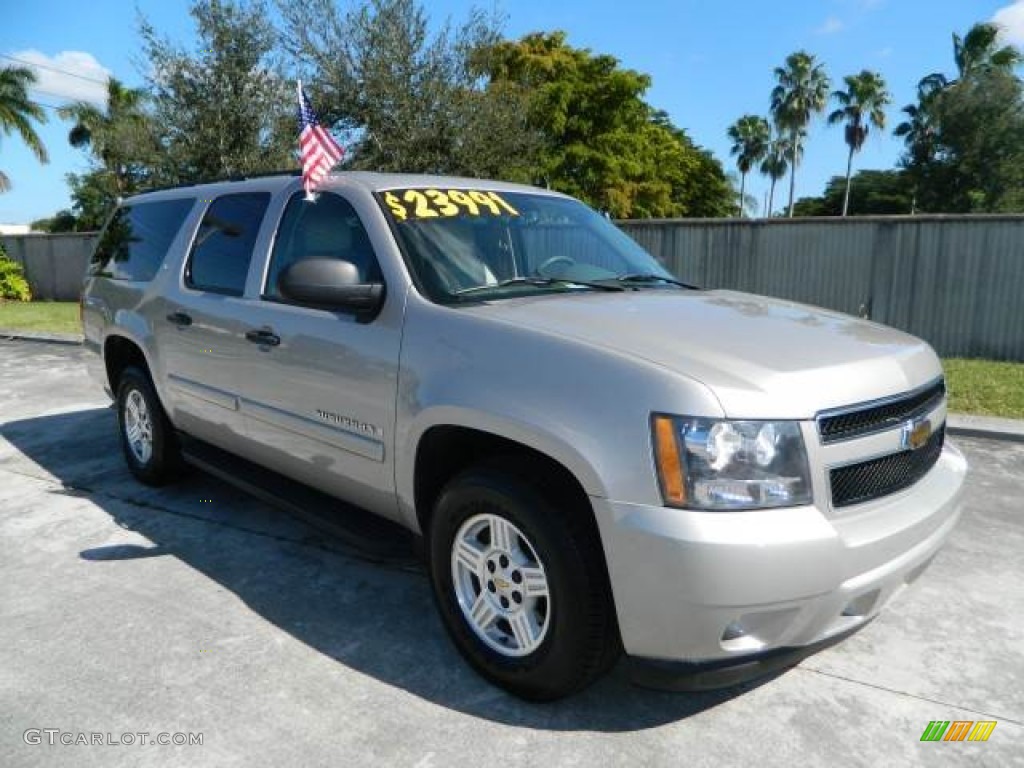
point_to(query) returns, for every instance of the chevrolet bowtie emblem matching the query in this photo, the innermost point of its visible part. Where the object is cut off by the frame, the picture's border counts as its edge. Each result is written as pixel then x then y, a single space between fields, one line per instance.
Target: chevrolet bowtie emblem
pixel 916 433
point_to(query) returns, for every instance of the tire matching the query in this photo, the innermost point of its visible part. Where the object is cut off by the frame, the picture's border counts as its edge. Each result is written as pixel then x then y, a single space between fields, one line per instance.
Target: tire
pixel 503 519
pixel 148 439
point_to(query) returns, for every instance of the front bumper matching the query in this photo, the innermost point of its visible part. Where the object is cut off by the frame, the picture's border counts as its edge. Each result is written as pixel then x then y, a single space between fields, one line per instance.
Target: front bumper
pixel 727 588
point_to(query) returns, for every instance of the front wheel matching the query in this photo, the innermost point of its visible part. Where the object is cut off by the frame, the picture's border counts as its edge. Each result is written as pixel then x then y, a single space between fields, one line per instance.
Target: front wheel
pixel 521 583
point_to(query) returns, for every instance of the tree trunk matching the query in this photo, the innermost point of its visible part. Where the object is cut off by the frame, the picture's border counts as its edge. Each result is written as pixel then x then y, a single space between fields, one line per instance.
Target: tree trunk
pixel 771 198
pixel 849 178
pixel 792 172
pixel 743 192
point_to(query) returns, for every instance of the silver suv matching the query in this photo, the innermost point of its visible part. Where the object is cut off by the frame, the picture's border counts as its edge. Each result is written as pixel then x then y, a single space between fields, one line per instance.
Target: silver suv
pixel 597 456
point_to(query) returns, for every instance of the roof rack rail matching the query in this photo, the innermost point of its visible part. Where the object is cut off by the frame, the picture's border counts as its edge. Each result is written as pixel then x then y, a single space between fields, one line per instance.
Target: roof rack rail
pixel 235 177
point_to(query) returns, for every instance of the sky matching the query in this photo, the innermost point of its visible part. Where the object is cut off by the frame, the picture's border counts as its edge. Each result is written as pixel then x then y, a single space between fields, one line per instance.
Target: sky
pixel 711 62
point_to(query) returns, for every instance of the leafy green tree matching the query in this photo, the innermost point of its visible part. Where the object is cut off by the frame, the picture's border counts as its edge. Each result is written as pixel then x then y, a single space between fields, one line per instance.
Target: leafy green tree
pixel 62 221
pixel 17 111
pixel 751 139
pixel 873 193
pixel 224 109
pixel 964 136
pixel 801 93
pixel 979 163
pixel 861 106
pixel 693 181
pixel 93 198
pixel 601 141
pixel 406 98
pixel 120 138
pixel 775 166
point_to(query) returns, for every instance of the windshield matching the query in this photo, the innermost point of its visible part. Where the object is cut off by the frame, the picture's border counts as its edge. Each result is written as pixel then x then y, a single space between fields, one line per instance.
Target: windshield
pixel 472 245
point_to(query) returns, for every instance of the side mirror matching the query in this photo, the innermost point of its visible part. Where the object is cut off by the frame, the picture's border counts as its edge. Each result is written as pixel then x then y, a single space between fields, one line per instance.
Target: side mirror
pixel 331 284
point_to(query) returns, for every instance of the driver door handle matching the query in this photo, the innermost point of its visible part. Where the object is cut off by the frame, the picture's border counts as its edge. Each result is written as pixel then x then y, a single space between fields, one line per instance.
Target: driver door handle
pixel 263 336
pixel 179 318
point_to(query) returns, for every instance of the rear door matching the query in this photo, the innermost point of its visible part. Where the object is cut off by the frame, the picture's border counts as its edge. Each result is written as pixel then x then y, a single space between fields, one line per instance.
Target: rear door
pixel 203 322
pixel 319 388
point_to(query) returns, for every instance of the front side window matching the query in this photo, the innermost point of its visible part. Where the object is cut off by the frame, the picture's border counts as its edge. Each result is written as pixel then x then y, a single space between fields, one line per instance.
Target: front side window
pixel 136 240
pixel 219 262
pixel 480 244
pixel 325 228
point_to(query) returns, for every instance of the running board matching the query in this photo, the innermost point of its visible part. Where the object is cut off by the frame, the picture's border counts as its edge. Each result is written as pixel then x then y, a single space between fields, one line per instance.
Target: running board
pixel 372 536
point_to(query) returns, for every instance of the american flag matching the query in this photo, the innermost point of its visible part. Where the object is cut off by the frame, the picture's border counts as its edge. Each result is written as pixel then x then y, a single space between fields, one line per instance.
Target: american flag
pixel 320 152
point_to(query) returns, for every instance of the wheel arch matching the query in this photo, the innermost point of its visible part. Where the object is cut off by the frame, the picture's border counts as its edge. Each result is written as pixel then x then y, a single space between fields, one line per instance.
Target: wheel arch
pixel 447 446
pixel 119 352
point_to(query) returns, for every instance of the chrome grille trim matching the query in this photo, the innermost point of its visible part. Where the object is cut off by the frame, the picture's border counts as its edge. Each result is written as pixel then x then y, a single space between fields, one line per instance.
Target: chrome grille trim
pixel 853 421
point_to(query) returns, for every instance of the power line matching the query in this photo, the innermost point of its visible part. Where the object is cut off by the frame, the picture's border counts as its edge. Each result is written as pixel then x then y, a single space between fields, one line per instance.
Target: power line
pixel 52 69
pixel 65 97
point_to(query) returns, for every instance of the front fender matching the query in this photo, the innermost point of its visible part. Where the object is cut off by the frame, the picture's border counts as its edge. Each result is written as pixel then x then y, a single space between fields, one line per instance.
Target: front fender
pixel 586 407
pixel 548 443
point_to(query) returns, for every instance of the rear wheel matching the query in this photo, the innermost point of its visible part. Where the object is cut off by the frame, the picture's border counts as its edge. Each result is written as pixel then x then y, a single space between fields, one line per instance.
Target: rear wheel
pixel 148 440
pixel 520 582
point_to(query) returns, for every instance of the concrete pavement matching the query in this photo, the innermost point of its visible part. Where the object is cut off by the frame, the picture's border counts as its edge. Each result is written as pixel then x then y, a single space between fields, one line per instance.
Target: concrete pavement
pixel 197 609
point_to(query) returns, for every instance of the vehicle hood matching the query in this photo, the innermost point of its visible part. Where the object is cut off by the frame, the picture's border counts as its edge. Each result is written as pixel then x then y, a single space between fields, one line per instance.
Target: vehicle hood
pixel 761 357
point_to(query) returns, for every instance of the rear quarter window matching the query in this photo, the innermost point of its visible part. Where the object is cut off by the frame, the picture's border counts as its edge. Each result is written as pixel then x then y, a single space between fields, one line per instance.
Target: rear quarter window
pixel 136 240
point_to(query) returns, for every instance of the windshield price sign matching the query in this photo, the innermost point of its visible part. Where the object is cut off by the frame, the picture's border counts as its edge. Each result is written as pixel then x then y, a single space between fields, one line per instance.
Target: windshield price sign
pixel 410 204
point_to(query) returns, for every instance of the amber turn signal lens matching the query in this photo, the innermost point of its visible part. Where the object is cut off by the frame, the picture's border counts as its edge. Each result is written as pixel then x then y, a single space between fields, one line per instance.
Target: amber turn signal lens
pixel 670 467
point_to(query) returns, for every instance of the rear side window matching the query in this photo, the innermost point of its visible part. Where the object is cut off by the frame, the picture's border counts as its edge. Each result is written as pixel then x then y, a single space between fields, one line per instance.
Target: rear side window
pixel 220 256
pixel 135 242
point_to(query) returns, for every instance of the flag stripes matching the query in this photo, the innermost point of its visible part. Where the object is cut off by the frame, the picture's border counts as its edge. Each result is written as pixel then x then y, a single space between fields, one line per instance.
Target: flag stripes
pixel 319 151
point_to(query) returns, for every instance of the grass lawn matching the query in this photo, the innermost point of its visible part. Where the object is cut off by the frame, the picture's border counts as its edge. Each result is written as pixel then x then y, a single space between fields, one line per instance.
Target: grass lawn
pixel 985 388
pixel 45 316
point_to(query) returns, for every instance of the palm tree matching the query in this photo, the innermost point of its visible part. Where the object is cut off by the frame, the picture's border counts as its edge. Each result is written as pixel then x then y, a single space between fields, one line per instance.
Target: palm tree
pixel 802 92
pixel 976 52
pixel 979 50
pixel 861 106
pixel 918 131
pixel 750 137
pixel 17 111
pixel 774 166
pixel 115 136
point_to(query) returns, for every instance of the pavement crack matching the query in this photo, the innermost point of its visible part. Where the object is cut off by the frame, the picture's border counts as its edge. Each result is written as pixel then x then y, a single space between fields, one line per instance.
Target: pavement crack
pixel 833 675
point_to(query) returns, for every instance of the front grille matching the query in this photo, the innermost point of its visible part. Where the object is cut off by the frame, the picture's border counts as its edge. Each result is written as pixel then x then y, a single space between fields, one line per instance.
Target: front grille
pixel 856 422
pixel 857 483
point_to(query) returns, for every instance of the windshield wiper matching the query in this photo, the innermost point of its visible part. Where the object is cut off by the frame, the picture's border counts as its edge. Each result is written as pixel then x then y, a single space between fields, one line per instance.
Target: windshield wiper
pixel 542 281
pixel 640 277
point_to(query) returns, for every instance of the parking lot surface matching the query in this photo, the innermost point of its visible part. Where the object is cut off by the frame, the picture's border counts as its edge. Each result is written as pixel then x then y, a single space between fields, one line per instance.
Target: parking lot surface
pixel 196 609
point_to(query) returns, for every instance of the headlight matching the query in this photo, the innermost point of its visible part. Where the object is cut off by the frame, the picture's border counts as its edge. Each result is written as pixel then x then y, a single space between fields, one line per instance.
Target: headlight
pixel 715 464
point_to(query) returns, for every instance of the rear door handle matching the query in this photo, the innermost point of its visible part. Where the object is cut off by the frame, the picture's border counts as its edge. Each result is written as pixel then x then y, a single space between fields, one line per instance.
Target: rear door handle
pixel 179 318
pixel 263 336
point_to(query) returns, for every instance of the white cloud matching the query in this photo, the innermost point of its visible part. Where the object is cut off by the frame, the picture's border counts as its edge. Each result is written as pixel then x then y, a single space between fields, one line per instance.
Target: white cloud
pixel 1011 20
pixel 831 26
pixel 67 76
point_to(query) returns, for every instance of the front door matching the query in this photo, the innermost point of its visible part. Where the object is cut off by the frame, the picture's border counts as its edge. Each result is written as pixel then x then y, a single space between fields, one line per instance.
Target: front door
pixel 318 395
